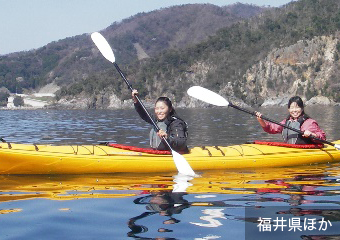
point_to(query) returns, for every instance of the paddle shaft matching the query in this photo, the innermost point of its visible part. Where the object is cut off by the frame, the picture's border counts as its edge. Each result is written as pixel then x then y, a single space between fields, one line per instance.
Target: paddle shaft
pixel 138 99
pixel 278 123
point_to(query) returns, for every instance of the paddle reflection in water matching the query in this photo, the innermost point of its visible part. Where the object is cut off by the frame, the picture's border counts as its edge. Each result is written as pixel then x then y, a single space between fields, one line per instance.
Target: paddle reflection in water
pixel 149 206
pixel 165 204
pixel 168 204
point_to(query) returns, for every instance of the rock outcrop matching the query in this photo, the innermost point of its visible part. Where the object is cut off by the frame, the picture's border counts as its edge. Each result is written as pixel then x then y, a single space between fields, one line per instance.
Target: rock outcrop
pixel 308 68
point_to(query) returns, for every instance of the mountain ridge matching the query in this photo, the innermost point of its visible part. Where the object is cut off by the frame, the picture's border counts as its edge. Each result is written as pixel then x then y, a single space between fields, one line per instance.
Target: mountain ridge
pixel 232 61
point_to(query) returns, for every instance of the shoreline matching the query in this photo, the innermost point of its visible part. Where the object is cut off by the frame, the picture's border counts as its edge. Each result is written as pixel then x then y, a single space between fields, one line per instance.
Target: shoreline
pixel 125 108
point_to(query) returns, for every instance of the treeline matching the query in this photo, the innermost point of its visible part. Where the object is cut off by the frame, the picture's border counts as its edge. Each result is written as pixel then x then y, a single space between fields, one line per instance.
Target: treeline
pixel 227 54
pixel 231 51
pixel 71 60
pixel 35 68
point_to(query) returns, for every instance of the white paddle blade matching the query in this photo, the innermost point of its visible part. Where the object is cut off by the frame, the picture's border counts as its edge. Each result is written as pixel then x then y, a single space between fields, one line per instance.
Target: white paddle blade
pixel 182 165
pixel 207 96
pixel 103 46
pixel 337 146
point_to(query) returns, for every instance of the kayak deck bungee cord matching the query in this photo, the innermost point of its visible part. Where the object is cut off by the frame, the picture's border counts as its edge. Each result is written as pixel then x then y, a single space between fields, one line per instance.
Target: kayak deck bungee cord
pixel 114 158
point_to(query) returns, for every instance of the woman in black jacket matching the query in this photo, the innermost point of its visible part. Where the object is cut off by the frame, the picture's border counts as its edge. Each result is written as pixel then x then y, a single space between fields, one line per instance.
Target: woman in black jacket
pixel 172 127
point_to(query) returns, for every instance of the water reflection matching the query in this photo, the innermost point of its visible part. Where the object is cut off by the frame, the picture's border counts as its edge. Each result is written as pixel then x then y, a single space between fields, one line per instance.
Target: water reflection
pixel 290 188
pixel 163 203
pixel 320 237
pixel 304 181
pixel 166 204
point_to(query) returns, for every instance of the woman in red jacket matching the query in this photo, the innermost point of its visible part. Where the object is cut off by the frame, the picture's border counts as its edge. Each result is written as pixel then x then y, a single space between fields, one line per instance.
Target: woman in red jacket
pixel 297 119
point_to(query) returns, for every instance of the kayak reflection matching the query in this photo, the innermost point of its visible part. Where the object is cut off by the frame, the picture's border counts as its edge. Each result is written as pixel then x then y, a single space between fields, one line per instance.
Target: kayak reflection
pixel 149 205
pixel 169 204
pixel 331 214
pixel 258 186
pixel 320 237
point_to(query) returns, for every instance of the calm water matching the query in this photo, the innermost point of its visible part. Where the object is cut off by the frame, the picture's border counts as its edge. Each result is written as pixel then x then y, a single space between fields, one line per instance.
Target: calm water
pixel 217 205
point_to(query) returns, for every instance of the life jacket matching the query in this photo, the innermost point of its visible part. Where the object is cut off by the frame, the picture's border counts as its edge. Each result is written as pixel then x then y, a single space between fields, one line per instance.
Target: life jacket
pixel 292 137
pixel 156 142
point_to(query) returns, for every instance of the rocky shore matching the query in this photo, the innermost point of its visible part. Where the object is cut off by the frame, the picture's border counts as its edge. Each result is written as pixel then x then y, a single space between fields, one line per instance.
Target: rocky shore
pixel 187 102
pixel 113 102
pixel 282 101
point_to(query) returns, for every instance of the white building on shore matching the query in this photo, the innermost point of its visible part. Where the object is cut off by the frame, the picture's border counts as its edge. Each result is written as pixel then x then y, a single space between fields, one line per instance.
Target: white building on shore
pixel 10 103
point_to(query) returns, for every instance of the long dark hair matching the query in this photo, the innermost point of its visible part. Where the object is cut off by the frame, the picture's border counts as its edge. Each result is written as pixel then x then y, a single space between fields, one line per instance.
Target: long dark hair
pixel 167 102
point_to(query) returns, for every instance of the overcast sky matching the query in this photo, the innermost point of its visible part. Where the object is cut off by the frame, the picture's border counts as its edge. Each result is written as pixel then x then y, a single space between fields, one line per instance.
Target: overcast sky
pixel 29 24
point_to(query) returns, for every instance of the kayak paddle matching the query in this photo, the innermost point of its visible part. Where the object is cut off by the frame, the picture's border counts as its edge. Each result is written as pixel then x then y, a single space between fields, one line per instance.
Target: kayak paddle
pixel 213 98
pixel 181 163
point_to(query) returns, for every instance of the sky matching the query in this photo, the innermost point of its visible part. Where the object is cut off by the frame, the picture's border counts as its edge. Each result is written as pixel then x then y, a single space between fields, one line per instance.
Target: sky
pixel 30 24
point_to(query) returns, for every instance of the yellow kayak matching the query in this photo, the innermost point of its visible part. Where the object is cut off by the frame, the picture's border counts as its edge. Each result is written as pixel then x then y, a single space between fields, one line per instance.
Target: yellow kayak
pixel 79 159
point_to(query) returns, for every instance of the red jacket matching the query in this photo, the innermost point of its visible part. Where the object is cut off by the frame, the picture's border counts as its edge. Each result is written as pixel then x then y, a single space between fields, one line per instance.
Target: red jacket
pixel 310 124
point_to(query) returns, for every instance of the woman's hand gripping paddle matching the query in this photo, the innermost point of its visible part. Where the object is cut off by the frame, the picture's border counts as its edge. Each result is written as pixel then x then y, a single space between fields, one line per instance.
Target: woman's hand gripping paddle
pixel 181 163
pixel 213 98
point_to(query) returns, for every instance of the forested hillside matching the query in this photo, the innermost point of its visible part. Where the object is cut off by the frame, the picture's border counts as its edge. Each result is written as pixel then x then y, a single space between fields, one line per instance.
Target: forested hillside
pixel 289 50
pixel 223 62
pixel 71 60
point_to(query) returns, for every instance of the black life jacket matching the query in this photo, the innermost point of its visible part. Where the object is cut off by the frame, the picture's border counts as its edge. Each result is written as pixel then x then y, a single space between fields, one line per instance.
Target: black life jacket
pixel 290 136
pixel 155 141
